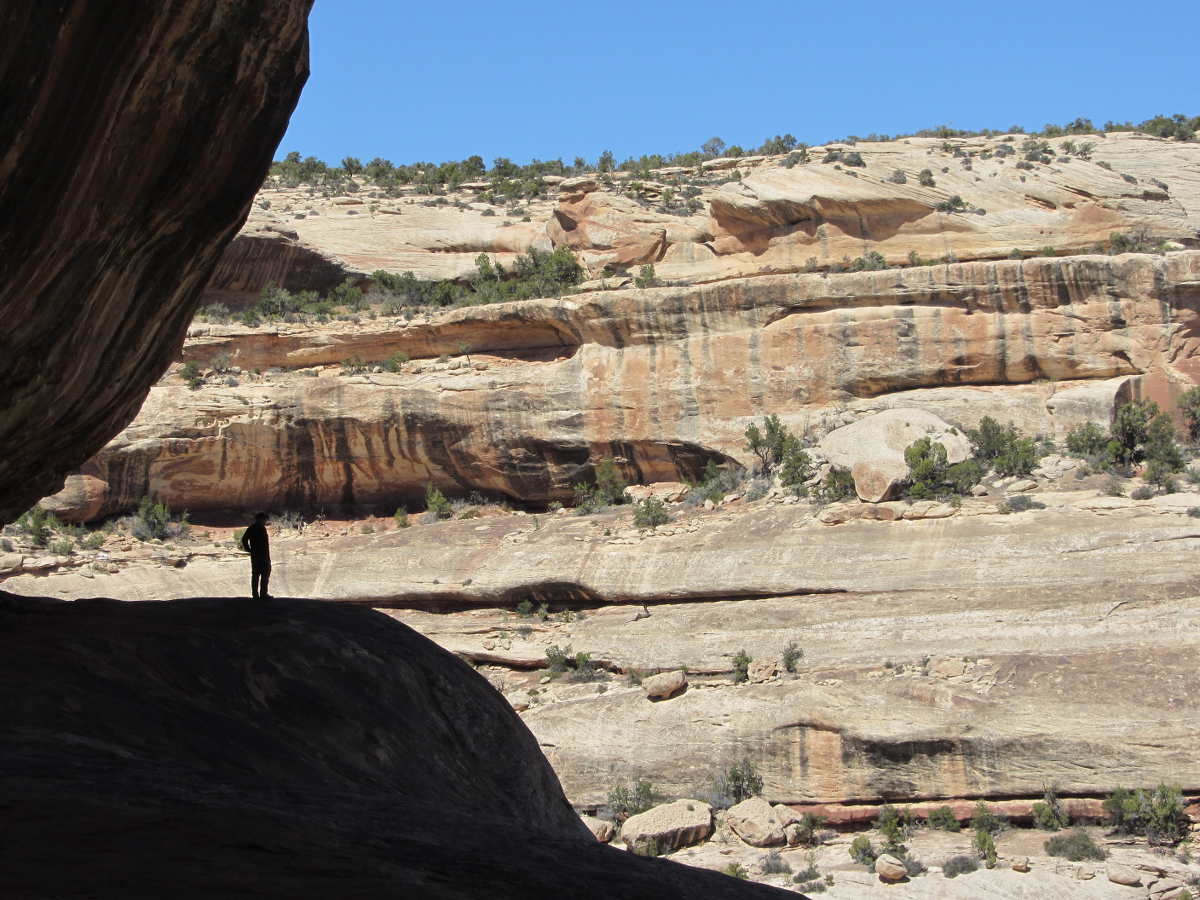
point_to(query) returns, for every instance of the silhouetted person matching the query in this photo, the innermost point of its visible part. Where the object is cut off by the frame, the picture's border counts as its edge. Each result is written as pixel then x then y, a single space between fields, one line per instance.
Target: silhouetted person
pixel 254 542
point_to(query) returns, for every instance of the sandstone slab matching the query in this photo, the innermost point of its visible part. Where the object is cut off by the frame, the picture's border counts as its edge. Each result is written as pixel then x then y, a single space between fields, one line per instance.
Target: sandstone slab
pixel 665 685
pixel 756 822
pixel 669 826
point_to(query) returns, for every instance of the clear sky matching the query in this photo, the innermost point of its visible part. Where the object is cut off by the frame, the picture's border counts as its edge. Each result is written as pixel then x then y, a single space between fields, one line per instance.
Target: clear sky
pixel 422 82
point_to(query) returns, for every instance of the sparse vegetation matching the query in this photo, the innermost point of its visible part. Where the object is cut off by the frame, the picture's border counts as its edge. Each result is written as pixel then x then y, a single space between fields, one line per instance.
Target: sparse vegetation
pixel 650 513
pixel 943 819
pixel 1002 448
pixel 959 865
pixel 646 278
pixel 436 502
pixel 608 488
pixel 741 666
pixel 736 870
pixel 1075 846
pixel 862 851
pixel 1048 813
pixel 1156 813
pixel 155 522
pixel 792 654
pixel 625 801
pixel 837 485
pixel 737 782
pixel 985 847
pixel 401 517
pixel 774 864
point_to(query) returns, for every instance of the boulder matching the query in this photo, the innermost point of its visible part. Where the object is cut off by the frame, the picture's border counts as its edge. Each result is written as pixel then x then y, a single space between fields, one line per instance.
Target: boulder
pixel 1126 875
pixel 601 828
pixel 81 499
pixel 1021 485
pixel 10 563
pixel 873 448
pixel 890 869
pixel 1021 864
pixel 667 491
pixel 1166 889
pixel 764 669
pixel 669 826
pixel 665 685
pixel 756 822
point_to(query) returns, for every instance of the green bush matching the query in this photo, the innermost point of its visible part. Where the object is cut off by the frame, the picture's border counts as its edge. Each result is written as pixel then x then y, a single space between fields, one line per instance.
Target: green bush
pixel 436 502
pixel 926 469
pixel 792 654
pixel 650 513
pixel 893 825
pixel 646 277
pixel 959 865
pixel 741 666
pixel 1156 813
pixel 837 485
pixel 1130 431
pixel 396 361
pixel 1049 813
pixel 925 178
pixel 984 819
pixel 401 517
pixel 1075 846
pixel 736 783
pixel 806 833
pixel 1003 448
pixel 985 847
pixel 736 870
pixel 62 547
pixel 155 521
pixel 608 489
pixel 774 864
pixel 862 851
pixel 773 444
pixel 37 523
pixel 624 801
pixel 1189 409
pixel 1087 441
pixel 94 541
pixel 943 818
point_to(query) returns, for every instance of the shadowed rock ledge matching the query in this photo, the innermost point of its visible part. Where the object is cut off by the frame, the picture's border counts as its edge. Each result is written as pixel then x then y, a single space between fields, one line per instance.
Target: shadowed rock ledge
pixel 132 150
pixel 207 747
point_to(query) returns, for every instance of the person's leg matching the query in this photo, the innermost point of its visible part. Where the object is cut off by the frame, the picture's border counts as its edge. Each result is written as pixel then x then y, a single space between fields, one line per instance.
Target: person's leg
pixel 263 593
pixel 255 579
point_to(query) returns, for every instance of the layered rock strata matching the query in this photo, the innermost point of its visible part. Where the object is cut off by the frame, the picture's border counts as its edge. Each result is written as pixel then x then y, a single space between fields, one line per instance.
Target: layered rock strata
pixel 120 186
pixel 664 380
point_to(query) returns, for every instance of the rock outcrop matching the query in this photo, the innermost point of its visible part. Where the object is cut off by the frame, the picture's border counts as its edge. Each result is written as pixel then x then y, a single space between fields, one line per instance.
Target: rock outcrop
pixel 133 149
pixel 195 748
pixel 667 827
pixel 664 380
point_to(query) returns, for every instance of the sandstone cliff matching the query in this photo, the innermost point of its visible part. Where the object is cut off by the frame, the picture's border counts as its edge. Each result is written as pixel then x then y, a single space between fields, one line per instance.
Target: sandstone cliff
pixel 119 188
pixel 663 379
pixel 757 216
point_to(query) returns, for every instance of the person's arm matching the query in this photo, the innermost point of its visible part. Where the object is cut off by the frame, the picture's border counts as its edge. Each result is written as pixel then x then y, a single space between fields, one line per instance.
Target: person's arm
pixel 246 539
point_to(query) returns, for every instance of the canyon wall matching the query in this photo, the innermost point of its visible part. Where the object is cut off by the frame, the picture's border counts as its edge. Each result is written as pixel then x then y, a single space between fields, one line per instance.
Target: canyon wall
pixel 662 379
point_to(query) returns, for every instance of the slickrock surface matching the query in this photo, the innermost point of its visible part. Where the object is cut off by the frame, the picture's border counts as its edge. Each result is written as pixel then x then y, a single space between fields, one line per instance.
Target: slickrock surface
pixel 980 654
pixel 771 219
pixel 132 150
pixel 664 379
pixel 207 747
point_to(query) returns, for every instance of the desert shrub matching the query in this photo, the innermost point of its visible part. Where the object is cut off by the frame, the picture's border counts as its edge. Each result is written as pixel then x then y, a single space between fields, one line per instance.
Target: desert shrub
pixel 925 178
pixel 436 502
pixel 1003 448
pixel 93 541
pixel 943 818
pixel 1130 431
pixel 646 278
pixel 792 654
pixel 575 666
pixel 155 521
pixel 650 513
pixel 736 870
pixel 774 864
pixel 716 482
pixel 959 865
pixel 1156 813
pixel 837 485
pixel 953 205
pixel 608 489
pixel 190 372
pixel 985 847
pixel 898 177
pixel 984 819
pixel 1075 846
pixel 808 831
pixel 741 666
pixel 926 469
pixel 1087 441
pixel 962 476
pixel 773 443
pixel 624 801
pixel 737 782
pixel 401 517
pixel 1049 813
pixel 395 361
pixel 871 261
pixel 355 365
pixel 862 851
pixel 1189 409
pixel 914 867
pixel 61 547
pixel 893 825
pixel 37 524
pixel 853 158
pixel 1142 492
pixel 366 528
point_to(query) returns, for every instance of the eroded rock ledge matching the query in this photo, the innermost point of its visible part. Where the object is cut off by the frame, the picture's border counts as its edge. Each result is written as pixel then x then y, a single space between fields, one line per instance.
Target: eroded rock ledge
pixel 133 148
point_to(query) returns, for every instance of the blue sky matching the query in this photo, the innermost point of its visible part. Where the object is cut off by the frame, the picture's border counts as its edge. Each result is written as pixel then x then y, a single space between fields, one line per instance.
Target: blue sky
pixel 412 82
